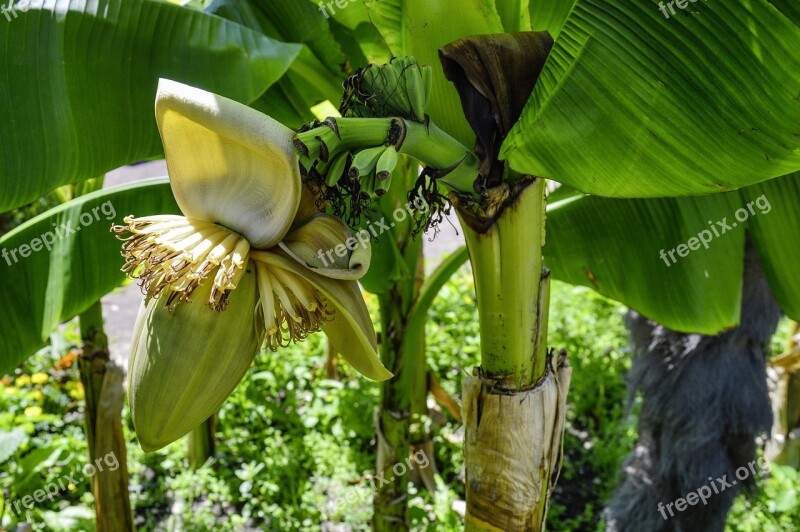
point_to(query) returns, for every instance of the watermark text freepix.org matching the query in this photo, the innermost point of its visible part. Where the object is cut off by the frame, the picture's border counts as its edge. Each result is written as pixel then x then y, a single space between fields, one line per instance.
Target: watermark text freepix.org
pixel 717 229
pixel 341 4
pixel 418 458
pixel 63 483
pixel 714 487
pixel 682 4
pixel 46 240
pixel 374 229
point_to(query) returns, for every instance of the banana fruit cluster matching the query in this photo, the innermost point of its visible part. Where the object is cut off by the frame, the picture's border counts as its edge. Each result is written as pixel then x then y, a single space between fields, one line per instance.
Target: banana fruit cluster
pixel 398 88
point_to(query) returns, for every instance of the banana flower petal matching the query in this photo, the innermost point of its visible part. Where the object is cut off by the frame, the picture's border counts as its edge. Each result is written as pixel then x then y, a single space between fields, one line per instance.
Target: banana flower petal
pixel 349 327
pixel 184 363
pixel 228 164
pixel 324 244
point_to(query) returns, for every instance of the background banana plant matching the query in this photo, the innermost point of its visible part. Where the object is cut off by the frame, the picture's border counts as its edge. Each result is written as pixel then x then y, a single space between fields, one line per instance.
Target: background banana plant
pixel 703 291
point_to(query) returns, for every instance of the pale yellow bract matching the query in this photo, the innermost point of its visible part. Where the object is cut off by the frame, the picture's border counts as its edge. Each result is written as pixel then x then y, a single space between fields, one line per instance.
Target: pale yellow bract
pixel 246 216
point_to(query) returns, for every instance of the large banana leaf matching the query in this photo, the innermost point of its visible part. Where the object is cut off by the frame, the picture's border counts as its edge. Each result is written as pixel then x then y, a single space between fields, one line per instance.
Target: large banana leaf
pixel 306 84
pixel 351 16
pixel 634 104
pixel 79 80
pixel 297 21
pixel 614 246
pixel 330 53
pixel 355 21
pixel 49 286
pixel 515 14
pixel 420 28
pixel 549 15
pixel 777 238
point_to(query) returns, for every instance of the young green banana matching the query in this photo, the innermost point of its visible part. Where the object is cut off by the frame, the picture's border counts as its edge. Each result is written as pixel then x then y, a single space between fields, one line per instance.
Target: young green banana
pixel 386 163
pixel 365 161
pixel 337 169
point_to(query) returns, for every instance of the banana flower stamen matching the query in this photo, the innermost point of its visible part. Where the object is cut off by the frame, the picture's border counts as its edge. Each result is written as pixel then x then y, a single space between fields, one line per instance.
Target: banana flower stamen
pixel 176 254
pixel 291 307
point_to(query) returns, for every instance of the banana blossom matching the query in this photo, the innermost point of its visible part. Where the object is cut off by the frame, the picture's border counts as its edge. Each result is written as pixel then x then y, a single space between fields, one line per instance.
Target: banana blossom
pixel 244 264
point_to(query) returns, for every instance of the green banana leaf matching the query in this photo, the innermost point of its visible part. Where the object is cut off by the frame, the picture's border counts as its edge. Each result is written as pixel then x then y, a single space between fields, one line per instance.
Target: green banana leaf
pixel 287 21
pixel 515 14
pixel 777 238
pixel 305 85
pixel 354 20
pixel 58 264
pixel 299 21
pixel 351 16
pixel 634 104
pixel 79 82
pixel 550 15
pixel 387 265
pixel 330 53
pixel 419 28
pixel 615 247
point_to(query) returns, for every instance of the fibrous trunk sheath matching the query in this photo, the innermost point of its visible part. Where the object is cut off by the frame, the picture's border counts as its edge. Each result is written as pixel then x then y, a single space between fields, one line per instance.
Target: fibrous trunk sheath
pixel 102 381
pixel 512 450
pixel 704 402
pixel 784 445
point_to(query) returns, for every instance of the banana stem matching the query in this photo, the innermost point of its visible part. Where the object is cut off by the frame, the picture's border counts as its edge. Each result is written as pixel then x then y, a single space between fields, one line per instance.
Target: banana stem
pixel 433 147
pixel 512 288
pixel 404 355
pixel 201 443
pixel 102 381
pixel 427 144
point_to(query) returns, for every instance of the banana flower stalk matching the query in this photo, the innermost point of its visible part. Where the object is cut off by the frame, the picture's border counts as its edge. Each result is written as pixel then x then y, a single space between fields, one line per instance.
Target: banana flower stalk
pixel 247 262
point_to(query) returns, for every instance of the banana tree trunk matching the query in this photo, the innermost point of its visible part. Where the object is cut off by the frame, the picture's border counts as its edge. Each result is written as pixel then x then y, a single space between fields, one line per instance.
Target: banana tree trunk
pixel 705 401
pixel 423 464
pixel 393 422
pixel 201 443
pixel 784 446
pixel 514 405
pixel 403 353
pixel 421 430
pixel 395 414
pixel 103 385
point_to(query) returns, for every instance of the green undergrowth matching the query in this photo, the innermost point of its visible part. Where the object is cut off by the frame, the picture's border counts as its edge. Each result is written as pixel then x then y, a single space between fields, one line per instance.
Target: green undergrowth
pixel 295 450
